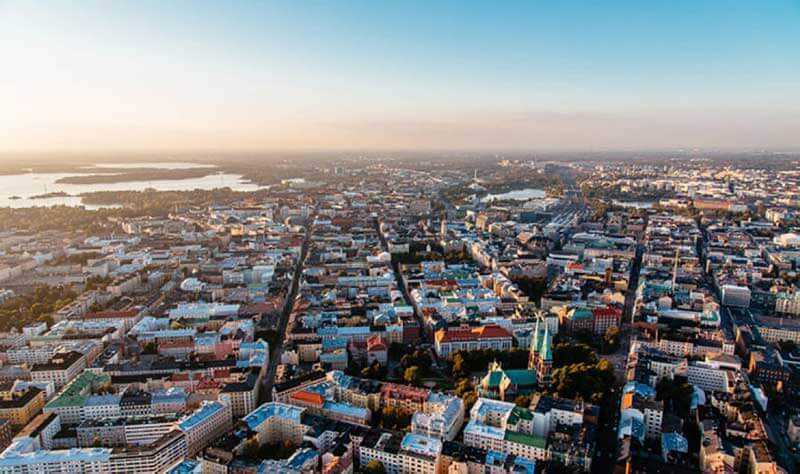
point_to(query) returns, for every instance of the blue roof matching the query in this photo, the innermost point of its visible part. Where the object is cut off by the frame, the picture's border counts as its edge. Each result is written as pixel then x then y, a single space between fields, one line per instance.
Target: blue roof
pixel 301 456
pixel 266 411
pixel 23 453
pixel 187 466
pixel 347 410
pixel 203 413
pixel 95 400
pixel 674 442
pixel 640 389
pixel 420 444
pixel 334 343
pixel 484 430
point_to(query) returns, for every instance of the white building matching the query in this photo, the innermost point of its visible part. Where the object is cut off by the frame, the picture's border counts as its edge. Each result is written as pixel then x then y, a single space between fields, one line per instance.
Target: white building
pixel 415 453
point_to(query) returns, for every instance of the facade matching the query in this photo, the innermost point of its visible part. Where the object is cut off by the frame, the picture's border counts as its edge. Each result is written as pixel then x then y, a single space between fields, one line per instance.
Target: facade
pixel 553 429
pixel 412 453
pixel 60 370
pixel 19 408
pixel 23 457
pixel 449 341
pixel 733 295
pixel 208 422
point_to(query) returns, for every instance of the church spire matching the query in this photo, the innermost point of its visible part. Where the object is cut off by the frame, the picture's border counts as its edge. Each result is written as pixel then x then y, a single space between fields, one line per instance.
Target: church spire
pixel 546 353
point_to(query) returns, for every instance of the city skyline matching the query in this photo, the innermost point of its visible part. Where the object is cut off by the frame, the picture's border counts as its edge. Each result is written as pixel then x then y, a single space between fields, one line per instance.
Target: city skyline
pixel 146 77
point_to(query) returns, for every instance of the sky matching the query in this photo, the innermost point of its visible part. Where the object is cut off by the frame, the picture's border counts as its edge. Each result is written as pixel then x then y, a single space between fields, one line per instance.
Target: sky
pixel 352 75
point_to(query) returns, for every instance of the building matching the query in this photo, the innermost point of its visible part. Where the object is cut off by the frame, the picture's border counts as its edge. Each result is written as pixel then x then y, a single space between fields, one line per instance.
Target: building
pixel 23 457
pixel 411 453
pixel 19 408
pixel 465 338
pixel 733 295
pixel 540 357
pixel 274 422
pixel 6 434
pixel 60 370
pixel 124 431
pixel 208 422
pixel 500 384
pixel 787 303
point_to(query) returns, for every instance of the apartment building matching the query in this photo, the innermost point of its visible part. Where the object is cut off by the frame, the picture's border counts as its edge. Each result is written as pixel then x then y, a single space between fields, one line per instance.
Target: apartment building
pixel 19 408
pixel 61 368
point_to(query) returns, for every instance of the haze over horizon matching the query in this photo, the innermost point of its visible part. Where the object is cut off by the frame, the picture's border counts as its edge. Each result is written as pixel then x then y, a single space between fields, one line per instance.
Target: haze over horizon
pixel 147 76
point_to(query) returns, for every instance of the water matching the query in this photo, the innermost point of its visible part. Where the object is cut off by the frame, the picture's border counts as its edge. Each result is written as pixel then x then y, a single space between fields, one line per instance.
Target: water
pixel 28 185
pixel 158 165
pixel 518 195
pixel 634 204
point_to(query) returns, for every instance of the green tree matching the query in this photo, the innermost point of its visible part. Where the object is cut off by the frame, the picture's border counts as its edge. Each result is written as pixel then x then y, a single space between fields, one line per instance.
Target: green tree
pixel 523 401
pixel 251 449
pixel 568 353
pixel 374 371
pixel 150 348
pixel 463 386
pixel 411 375
pixel 611 340
pixel 396 350
pixel 375 467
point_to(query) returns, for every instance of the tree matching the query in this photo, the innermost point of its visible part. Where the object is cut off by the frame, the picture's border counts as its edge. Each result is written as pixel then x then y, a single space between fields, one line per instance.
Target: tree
pixel 411 375
pixel 150 348
pixel 590 382
pixel 250 449
pixel 469 399
pixel 375 467
pixel 569 353
pixel 458 364
pixel 375 371
pixel 396 350
pixel 395 419
pixel 611 340
pixel 523 401
pixel 463 386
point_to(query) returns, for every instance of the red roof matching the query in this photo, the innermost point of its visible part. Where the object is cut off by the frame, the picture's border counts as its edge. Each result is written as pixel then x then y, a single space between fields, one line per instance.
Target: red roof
pixel 175 344
pixel 491 331
pixel 606 312
pixel 375 343
pixel 257 308
pixel 308 397
pixel 222 373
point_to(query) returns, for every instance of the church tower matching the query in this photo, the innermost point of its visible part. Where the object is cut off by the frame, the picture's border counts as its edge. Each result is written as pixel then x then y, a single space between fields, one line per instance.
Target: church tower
pixel 534 349
pixel 544 359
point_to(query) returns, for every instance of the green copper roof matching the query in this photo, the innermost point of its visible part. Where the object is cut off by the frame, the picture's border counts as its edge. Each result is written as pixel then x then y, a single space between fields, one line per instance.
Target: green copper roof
pixel 521 376
pixel 547 351
pixel 76 393
pixel 535 341
pixel 518 413
pixel 526 439
pixel 495 378
pixel 580 313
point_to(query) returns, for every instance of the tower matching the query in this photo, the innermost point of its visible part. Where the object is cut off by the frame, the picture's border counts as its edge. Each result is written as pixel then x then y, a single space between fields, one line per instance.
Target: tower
pixel 534 349
pixel 544 359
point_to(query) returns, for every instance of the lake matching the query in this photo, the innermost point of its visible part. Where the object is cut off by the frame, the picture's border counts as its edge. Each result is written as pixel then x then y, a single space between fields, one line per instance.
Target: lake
pixel 518 195
pixel 28 185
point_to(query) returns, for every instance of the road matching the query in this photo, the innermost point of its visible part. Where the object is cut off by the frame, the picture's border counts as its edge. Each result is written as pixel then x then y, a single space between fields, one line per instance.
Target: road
pixel 633 284
pixel 275 352
pixel 399 279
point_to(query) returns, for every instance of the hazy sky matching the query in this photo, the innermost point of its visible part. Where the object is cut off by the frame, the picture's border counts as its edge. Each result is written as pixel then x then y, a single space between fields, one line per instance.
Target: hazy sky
pixel 194 75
